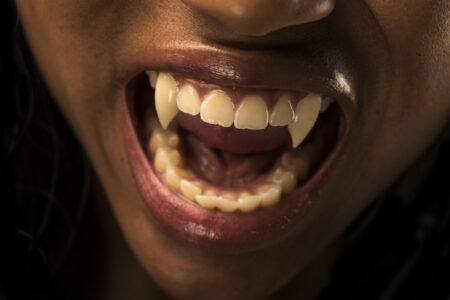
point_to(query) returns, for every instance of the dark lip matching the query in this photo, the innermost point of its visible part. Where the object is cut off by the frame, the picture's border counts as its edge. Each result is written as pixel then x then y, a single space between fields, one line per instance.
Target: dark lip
pixel 310 73
pixel 214 230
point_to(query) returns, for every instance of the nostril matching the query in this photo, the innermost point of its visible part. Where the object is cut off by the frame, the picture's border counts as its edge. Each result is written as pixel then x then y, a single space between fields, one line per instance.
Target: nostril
pixel 260 17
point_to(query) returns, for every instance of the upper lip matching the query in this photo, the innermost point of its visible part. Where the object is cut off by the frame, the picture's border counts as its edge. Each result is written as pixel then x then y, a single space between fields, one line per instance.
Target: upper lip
pixel 250 70
pixel 264 70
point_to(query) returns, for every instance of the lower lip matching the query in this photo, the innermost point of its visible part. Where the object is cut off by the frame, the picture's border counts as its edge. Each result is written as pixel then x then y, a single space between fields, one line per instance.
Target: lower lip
pixel 214 230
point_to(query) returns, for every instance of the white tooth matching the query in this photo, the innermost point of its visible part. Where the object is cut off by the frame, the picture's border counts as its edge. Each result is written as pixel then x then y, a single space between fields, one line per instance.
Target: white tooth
pixel 326 101
pixel 173 176
pixel 172 139
pixel 166 91
pixel 248 202
pixel 188 100
pixel 283 112
pixel 190 189
pixel 306 114
pixel 252 113
pixel 270 194
pixel 208 200
pixel 286 179
pixel 163 138
pixel 217 109
pixel 227 203
pixel 152 78
pixel 166 157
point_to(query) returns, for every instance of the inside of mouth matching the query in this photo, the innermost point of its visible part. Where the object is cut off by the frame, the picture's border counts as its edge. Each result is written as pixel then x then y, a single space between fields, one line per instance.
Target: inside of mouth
pixel 225 168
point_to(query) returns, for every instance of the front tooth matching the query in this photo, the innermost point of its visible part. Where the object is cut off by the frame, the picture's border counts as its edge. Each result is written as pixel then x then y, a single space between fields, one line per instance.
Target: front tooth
pixel 152 78
pixel 271 194
pixel 252 113
pixel 166 91
pixel 283 112
pixel 217 109
pixel 188 100
pixel 227 203
pixel 248 202
pixel 306 114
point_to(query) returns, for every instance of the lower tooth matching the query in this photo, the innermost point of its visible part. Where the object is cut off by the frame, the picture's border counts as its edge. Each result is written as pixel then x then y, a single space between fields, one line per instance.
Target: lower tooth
pixel 286 179
pixel 207 200
pixel 190 189
pixel 227 203
pixel 173 177
pixel 248 202
pixel 166 157
pixel 163 138
pixel 271 194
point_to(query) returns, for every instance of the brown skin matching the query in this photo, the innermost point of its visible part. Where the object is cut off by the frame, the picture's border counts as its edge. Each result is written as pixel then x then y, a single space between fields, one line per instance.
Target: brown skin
pixel 403 48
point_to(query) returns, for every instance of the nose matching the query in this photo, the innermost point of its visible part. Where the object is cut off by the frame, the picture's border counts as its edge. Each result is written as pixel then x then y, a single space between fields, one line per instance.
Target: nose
pixel 260 17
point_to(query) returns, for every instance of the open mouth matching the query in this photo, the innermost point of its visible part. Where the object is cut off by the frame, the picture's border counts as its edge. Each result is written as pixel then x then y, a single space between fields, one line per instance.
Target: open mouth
pixel 231 149
pixel 226 167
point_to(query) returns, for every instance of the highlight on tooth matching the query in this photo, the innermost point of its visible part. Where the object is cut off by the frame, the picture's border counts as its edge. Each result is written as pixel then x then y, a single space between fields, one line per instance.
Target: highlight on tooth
pixel 166 91
pixel 306 113
pixel 270 194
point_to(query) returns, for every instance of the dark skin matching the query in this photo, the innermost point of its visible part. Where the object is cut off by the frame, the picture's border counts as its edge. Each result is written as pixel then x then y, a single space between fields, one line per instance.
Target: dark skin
pixel 398 51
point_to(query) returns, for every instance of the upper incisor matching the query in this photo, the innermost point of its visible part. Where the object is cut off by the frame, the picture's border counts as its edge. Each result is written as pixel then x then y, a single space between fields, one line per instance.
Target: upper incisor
pixel 252 113
pixel 217 109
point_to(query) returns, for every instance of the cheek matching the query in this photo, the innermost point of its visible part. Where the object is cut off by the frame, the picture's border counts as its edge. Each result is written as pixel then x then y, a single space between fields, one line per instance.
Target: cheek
pixel 418 35
pixel 394 129
pixel 73 58
pixel 418 106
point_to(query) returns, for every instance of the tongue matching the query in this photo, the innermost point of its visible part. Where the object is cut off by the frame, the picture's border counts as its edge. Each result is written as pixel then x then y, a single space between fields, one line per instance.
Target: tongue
pixel 234 140
pixel 223 168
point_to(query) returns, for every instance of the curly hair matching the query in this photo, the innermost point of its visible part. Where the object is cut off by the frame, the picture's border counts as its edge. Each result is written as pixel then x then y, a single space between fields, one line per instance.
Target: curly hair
pixel 45 179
